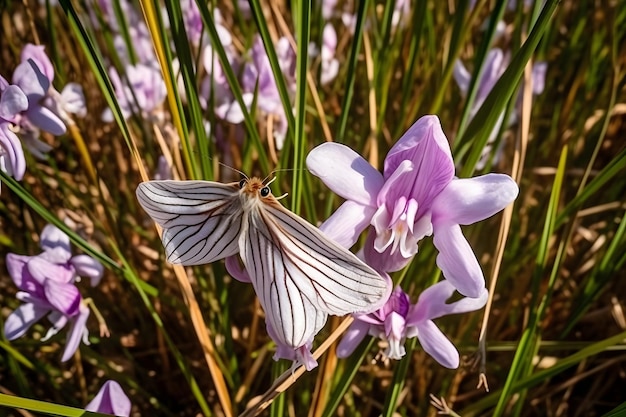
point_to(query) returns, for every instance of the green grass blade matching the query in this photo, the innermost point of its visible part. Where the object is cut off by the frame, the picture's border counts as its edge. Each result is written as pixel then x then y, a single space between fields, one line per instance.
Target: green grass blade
pixel 399 379
pixel 303 28
pixel 486 117
pixel 44 407
pixel 528 342
pixel 351 72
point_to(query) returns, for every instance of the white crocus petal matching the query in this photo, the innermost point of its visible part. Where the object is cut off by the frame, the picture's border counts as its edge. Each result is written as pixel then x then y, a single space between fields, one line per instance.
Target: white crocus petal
pixel 347 222
pixel 469 200
pixel 345 172
pixel 21 319
pixel 73 99
pixel 437 345
pixel 457 260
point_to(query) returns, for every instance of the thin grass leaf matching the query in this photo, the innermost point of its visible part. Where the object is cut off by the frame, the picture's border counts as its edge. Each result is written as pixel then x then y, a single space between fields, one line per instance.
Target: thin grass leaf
pixel 351 71
pixel 399 378
pixel 189 77
pixel 160 41
pixel 209 23
pixel 487 116
pixel 303 29
pixel 528 342
pixel 350 369
pixel 45 407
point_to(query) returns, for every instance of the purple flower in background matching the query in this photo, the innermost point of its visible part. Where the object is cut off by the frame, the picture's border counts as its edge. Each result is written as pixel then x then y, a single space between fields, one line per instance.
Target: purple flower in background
pixel 13 101
pixel 330 64
pixel 399 320
pixel 496 62
pixel 47 287
pixel 111 399
pixel 258 76
pixel 144 91
pixel 416 196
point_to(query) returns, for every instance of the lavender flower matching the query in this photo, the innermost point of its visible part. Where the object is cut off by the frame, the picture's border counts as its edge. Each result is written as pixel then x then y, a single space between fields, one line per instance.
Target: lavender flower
pixel 330 64
pixel 111 399
pixel 496 62
pixel 145 91
pixel 399 320
pixel 416 196
pixel 47 287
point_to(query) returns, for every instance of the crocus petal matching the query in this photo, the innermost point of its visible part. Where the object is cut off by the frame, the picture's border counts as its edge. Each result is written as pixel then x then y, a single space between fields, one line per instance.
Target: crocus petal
pixel 53 238
pixel 64 297
pixel 111 399
pixel 37 53
pixel 457 261
pixel 384 261
pixel 346 224
pixel 493 67
pixel 73 99
pixel 352 338
pixel 437 345
pixel 45 119
pixel 76 333
pixel 539 77
pixel 12 147
pixel 236 269
pixel 469 200
pixel 345 172
pixel 426 146
pixel 461 76
pixel 432 303
pixel 12 101
pixel 86 266
pixel 31 80
pixel 42 269
pixel 21 319
pixel 15 265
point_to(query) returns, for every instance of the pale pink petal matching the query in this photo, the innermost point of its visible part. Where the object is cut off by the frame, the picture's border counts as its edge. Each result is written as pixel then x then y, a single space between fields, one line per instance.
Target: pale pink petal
pixel 76 333
pixel 64 297
pixel 352 338
pixel 345 225
pixel 11 148
pixel 88 267
pixel 457 261
pixel 111 399
pixel 384 261
pixel 38 54
pixel 345 172
pixel 42 269
pixel 437 345
pixel 236 269
pixel 469 200
pixel 432 303
pixel 20 320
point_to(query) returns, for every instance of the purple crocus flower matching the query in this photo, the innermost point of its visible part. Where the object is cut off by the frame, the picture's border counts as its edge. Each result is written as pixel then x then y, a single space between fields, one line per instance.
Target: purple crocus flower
pixel 399 320
pixel 145 90
pixel 47 287
pixel 330 64
pixel 13 101
pixel 258 76
pixel 416 196
pixel 111 399
pixel 34 76
pixel 496 62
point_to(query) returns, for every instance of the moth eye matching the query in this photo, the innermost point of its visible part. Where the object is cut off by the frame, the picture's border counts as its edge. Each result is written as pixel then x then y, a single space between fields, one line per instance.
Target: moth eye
pixel 242 183
pixel 265 191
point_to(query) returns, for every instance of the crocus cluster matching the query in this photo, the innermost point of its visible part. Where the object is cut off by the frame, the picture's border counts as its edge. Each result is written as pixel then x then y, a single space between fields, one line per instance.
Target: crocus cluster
pixel 416 195
pixel 47 287
pixel 29 104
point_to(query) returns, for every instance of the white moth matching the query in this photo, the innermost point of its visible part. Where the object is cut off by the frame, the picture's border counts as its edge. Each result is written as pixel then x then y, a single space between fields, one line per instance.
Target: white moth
pixel 298 273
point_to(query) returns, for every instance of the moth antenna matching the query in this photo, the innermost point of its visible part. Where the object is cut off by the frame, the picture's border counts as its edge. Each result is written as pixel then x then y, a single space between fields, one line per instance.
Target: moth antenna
pixel 233 169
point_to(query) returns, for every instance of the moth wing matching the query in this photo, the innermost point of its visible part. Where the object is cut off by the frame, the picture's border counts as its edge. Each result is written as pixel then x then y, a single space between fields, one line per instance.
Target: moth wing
pixel 201 220
pixel 299 273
